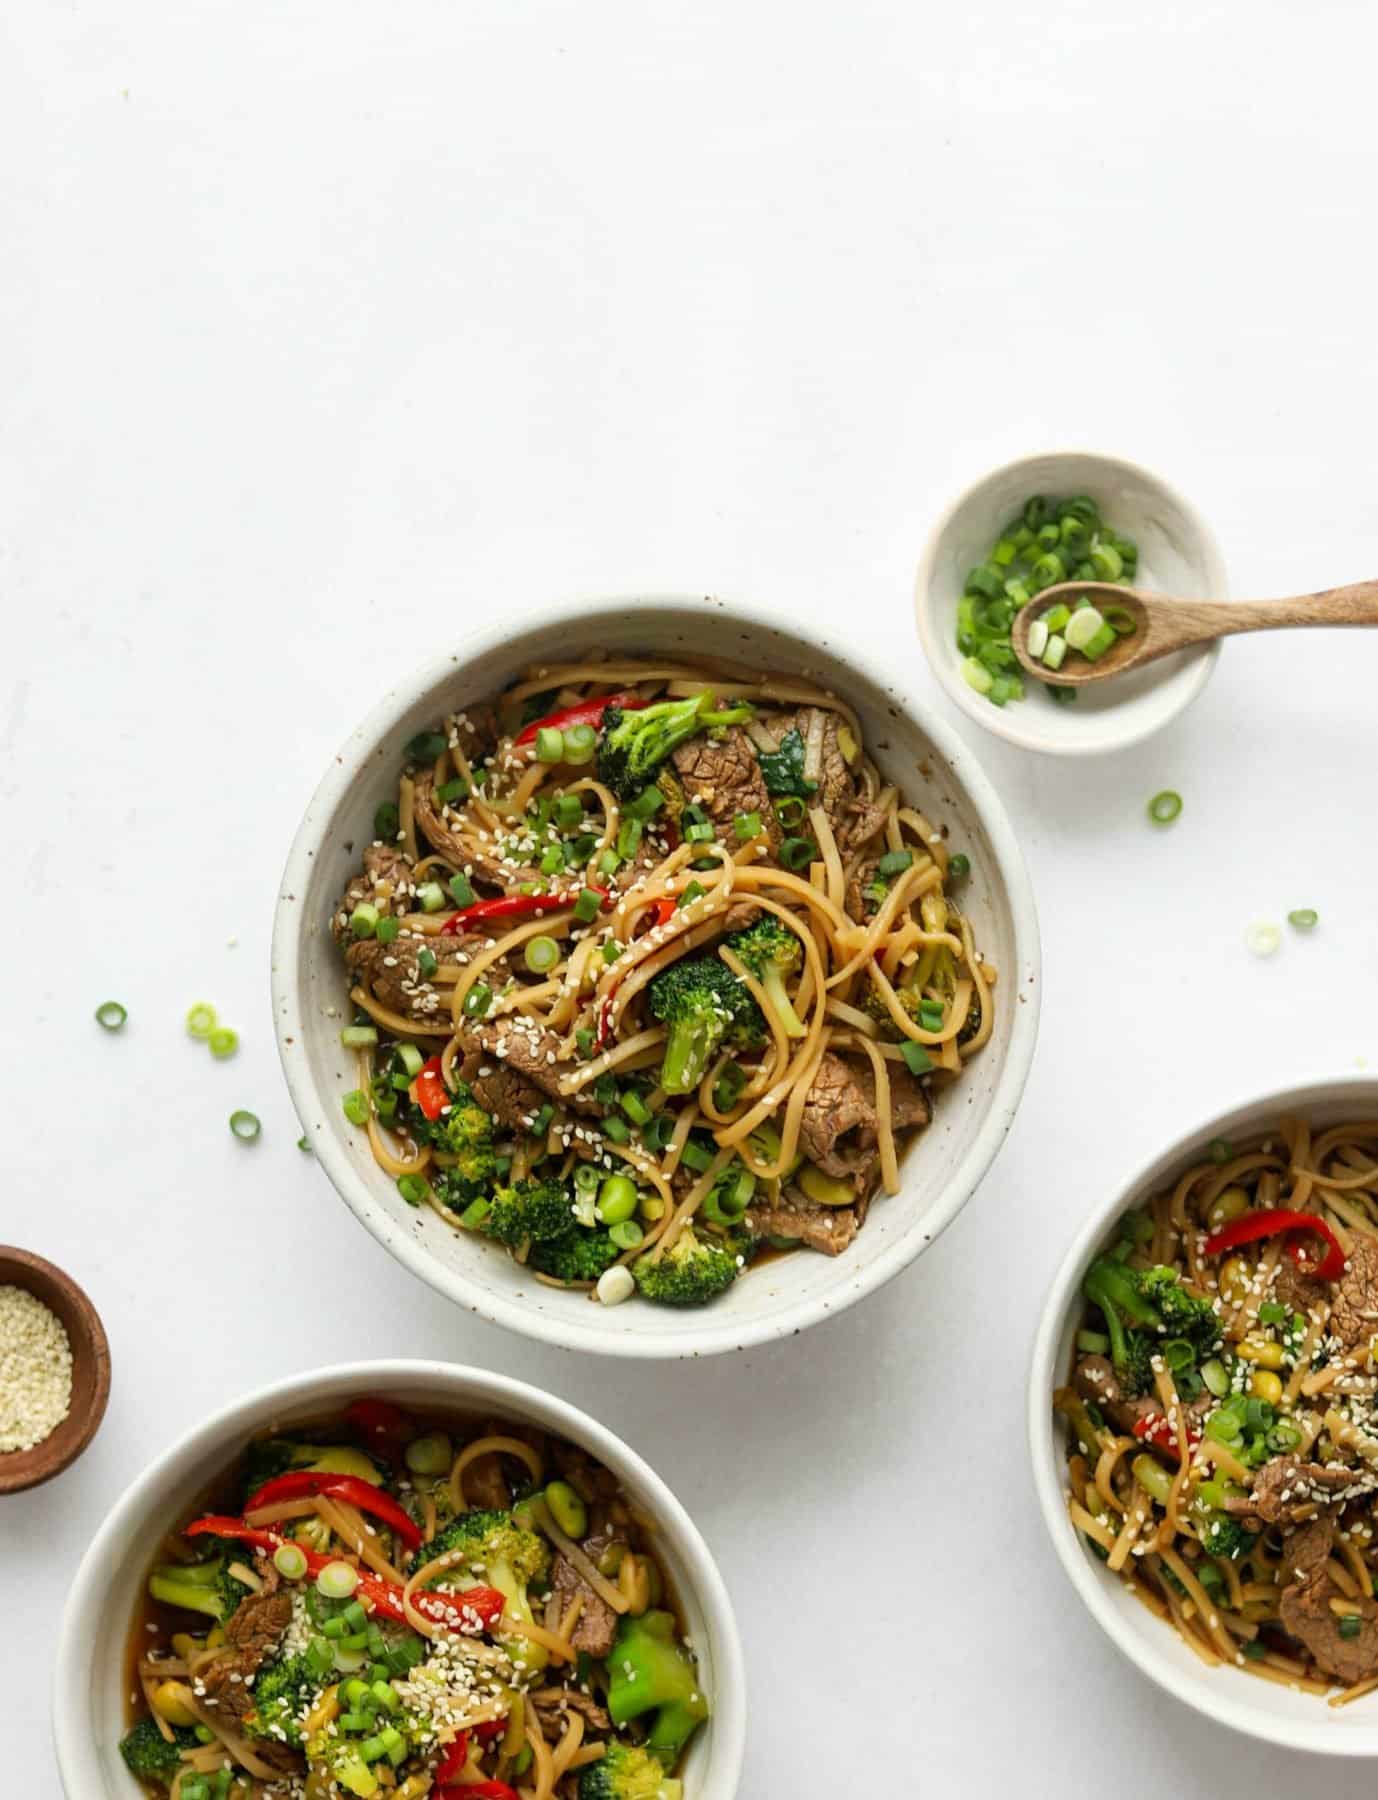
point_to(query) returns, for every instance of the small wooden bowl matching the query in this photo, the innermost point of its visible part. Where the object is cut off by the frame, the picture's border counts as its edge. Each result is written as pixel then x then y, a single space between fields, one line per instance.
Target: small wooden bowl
pixel 22 1469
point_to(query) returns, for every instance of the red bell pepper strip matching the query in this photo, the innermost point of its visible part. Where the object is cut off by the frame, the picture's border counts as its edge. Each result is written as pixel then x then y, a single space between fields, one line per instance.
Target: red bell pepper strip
pixel 455 1610
pixel 452 1763
pixel 301 1483
pixel 429 1090
pixel 1156 1428
pixel 587 712
pixel 481 1790
pixel 1254 1225
pixel 503 906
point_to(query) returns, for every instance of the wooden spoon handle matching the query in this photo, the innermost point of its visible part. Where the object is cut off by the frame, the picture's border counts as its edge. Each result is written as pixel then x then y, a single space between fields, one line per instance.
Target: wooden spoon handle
pixel 1196 621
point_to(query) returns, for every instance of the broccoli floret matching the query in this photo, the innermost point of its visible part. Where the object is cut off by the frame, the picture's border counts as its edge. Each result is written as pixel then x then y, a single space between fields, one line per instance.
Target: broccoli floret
pixel 771 951
pixel 204 1587
pixel 1155 1300
pixel 504 1555
pixel 632 745
pixel 283 1692
pixel 465 1132
pixel 582 1257
pixel 650 1670
pixel 149 1755
pixel 1223 1535
pixel 1183 1314
pixel 692 1271
pixel 537 1212
pixel 703 1003
pixel 627 1772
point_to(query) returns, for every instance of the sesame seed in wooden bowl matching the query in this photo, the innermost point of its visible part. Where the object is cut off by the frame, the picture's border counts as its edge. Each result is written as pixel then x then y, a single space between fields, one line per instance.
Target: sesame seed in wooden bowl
pixel 33 1362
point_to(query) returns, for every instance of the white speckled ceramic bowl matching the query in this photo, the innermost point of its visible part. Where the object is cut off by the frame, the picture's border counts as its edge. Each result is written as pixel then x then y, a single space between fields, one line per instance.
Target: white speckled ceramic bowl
pixel 310 991
pixel 1177 555
pixel 89 1710
pixel 1277 1715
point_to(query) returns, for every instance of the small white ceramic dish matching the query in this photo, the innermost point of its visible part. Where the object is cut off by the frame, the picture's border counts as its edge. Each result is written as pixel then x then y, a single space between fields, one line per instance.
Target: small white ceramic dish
pixel 310 993
pixel 89 1700
pixel 1177 555
pixel 1277 1715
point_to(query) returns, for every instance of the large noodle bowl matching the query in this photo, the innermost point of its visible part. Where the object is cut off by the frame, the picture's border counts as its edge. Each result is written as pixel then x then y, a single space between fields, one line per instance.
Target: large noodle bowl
pixel 1222 1408
pixel 654 972
pixel 396 1604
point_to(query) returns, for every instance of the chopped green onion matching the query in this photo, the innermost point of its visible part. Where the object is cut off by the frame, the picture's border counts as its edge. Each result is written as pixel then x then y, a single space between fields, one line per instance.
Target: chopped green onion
pixel 338 1580
pixel 1092 1343
pixel 583 1041
pixel 1083 625
pixel 628 838
pixel 1107 561
pixel 698 834
pixel 580 743
pixel 412 1188
pixel 304 1143
pixel 695 1156
pixel 569 811
pixel 1216 1377
pixel 658 1130
pixel 426 963
pixel 458 789
pixel 644 805
pixel 1262 938
pixel 363 921
pixel 791 811
pixel 959 867
pixel 475 1213
pixel 1350 1625
pixel 635 1107
pixel 552 860
pixel 359 1037
pixel 916 1058
pixel 611 951
pixel 727 1089
pixel 460 890
pixel 245 1126
pixel 222 1042
pixel 541 954
pixel 426 746
pixel 747 826
pixel 977 675
pixel 617 1129
pixel 586 907
pixel 895 862
pixel 1055 654
pixel 797 852
pixel 110 1015
pixel 931 1013
pixel 608 861
pixel 1037 641
pixel 386 821
pixel 1305 918
pixel 695 891
pixel 541 1121
pixel 1163 808
pixel 550 745
pixel 388 929
pixel 355 1105
pixel 290 1561
pixel 431 896
pixel 626 1234
pixel 477 1000
pixel 201 1021
pixel 1095 647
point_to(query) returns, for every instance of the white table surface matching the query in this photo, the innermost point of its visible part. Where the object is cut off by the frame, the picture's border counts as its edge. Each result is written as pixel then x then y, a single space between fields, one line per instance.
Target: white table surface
pixel 325 328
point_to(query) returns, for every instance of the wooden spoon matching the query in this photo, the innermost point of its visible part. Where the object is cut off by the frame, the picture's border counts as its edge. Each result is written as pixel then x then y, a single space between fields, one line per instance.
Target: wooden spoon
pixel 1162 625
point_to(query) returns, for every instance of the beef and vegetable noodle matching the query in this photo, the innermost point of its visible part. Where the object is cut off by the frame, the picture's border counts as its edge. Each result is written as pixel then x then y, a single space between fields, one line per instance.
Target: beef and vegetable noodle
pixel 403 1607
pixel 654 968
pixel 1223 1407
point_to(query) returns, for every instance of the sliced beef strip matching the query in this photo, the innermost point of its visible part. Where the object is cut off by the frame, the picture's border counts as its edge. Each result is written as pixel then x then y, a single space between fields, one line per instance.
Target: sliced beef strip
pixel 550 1709
pixel 483 861
pixel 253 1632
pixel 861 877
pixel 526 1050
pixel 721 774
pixel 597 1624
pixel 1287 1491
pixel 477 729
pixel 385 881
pixel 502 1093
pixel 591 1479
pixel 837 1129
pixel 1307 1614
pixel 1354 1302
pixel 485 1485
pixel 855 819
pixel 829 1229
pixel 1297 1290
pixel 392 972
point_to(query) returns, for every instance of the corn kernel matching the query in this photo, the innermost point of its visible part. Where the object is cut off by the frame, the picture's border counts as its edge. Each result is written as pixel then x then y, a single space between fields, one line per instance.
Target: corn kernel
pixel 1235 1276
pixel 1262 1351
pixel 1266 1386
pixel 1231 1203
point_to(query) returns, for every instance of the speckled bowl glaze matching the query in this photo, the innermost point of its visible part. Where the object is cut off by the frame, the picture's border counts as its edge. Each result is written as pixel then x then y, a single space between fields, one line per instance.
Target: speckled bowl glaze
pixel 940 1173
pixel 1178 556
pixel 1274 1714
pixel 89 1679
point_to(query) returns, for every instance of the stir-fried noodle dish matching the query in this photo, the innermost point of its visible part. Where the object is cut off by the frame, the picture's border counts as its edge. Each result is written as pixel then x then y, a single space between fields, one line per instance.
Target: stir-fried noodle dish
pixel 408 1606
pixel 1223 1407
pixel 653 969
